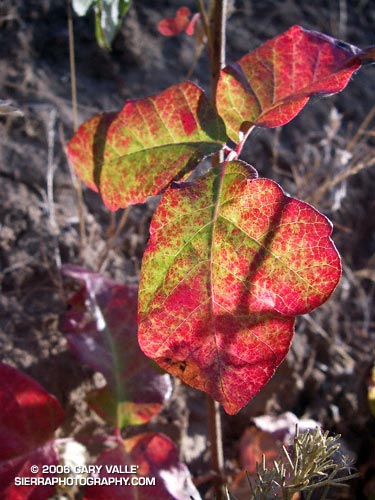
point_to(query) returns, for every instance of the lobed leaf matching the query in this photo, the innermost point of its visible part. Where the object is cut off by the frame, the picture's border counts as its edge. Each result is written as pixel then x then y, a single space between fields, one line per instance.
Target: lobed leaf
pixel 230 261
pixel 131 155
pixel 29 417
pixel 269 86
pixel 101 329
pixel 156 458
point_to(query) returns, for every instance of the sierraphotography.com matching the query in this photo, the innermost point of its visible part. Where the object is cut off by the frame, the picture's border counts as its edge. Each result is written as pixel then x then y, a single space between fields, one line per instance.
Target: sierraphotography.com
pixel 85 481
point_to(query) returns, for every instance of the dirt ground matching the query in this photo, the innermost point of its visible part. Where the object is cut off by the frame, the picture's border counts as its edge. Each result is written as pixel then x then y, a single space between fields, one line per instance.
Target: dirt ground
pixel 324 157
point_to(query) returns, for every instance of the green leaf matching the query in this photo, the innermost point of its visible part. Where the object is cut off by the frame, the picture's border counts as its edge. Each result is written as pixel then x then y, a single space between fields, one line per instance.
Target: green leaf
pixel 131 155
pixel 108 17
pixel 230 261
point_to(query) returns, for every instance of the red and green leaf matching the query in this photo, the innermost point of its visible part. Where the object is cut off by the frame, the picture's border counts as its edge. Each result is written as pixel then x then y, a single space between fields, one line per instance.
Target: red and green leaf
pixel 131 155
pixel 101 328
pixel 156 457
pixel 230 261
pixel 29 416
pixel 269 86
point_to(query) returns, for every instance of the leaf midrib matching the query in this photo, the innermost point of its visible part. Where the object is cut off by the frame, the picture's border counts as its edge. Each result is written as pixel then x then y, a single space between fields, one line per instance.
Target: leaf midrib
pixel 128 156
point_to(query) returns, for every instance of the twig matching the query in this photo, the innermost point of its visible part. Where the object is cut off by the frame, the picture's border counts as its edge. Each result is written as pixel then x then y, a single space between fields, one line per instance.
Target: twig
pixel 76 183
pixel 330 183
pixel 72 65
pixel 370 115
pixel 51 123
pixel 112 240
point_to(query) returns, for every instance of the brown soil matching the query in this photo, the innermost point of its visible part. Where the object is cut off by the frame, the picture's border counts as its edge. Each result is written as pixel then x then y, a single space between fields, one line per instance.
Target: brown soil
pixel 325 375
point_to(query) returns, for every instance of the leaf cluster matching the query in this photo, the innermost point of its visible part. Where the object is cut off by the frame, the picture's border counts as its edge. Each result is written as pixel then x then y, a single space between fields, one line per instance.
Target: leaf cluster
pixel 231 259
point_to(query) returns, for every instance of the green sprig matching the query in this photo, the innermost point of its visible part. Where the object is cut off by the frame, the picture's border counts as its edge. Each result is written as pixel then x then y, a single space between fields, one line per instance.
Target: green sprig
pixel 315 461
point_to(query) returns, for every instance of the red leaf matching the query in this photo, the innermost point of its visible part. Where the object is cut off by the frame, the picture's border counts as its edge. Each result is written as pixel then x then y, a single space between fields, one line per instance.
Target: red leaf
pixel 101 328
pixel 254 444
pixel 172 26
pixel 230 262
pixel 20 468
pixel 131 155
pixel 156 460
pixel 22 403
pixel 29 417
pixel 269 86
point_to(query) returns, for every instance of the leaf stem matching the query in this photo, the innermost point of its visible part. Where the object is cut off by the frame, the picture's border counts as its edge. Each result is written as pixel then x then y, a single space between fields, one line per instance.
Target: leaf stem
pixel 203 13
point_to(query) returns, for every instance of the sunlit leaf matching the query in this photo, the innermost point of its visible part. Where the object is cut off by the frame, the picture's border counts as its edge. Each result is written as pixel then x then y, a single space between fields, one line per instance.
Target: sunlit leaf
pixel 101 328
pixel 108 17
pixel 269 86
pixel 82 6
pixel 131 155
pixel 230 261
pixel 160 475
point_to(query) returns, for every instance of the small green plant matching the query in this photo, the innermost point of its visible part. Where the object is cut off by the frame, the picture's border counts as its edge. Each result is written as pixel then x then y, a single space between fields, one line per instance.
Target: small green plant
pixel 313 463
pixel 108 17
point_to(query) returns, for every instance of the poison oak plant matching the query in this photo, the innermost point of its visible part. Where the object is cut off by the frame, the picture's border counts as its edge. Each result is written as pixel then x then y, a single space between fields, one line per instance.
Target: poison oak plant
pixel 231 259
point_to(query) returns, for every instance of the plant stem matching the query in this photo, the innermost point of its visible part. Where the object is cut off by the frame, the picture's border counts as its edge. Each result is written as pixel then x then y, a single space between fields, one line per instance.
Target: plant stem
pixel 216 446
pixel 216 40
pixel 72 65
pixel 217 22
